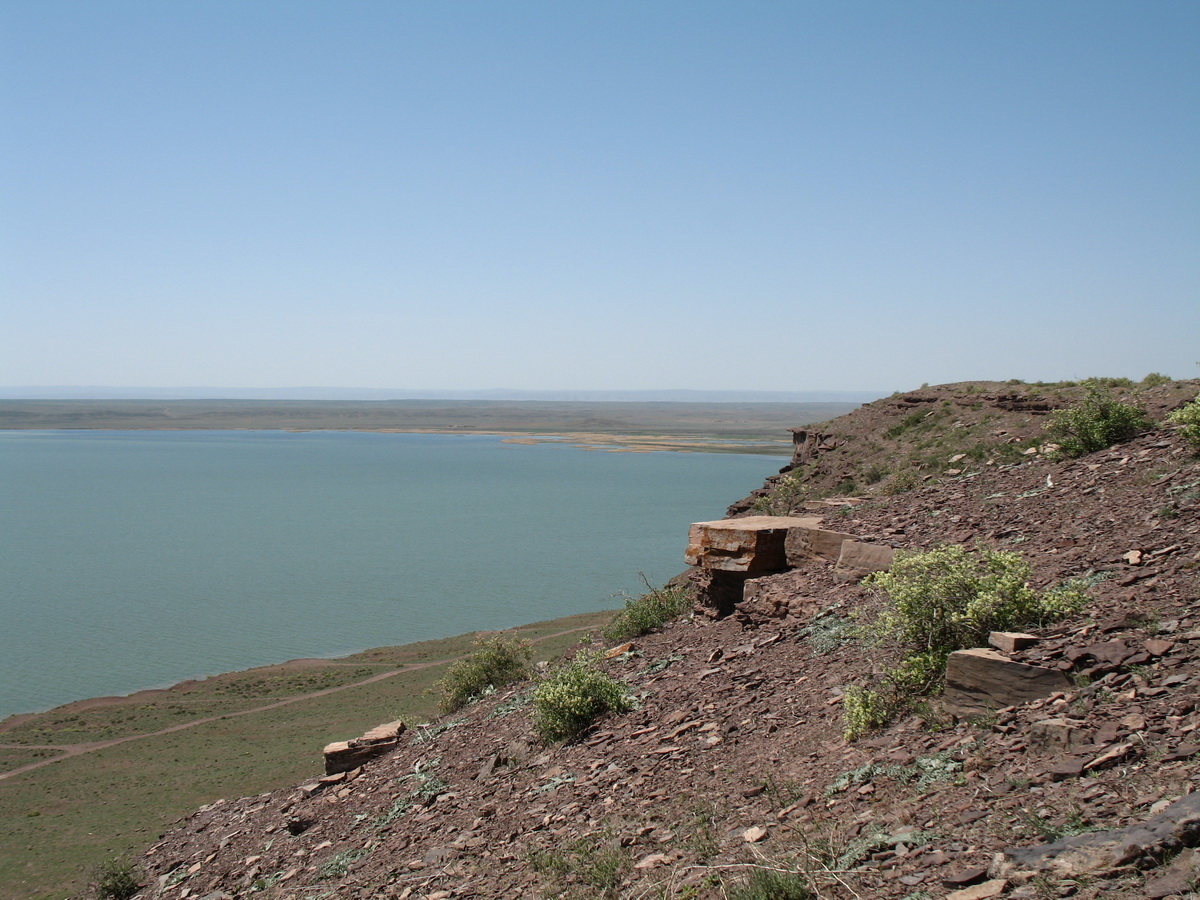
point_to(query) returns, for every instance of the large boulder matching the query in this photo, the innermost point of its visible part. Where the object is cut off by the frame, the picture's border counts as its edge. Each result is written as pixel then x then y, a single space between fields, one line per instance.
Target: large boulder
pixel 755 544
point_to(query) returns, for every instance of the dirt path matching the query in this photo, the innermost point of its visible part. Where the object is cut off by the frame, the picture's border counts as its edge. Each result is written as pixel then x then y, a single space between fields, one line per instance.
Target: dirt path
pixel 69 750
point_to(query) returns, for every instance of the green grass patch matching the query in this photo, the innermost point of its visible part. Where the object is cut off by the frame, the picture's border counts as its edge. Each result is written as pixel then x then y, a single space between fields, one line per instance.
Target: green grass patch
pixel 58 822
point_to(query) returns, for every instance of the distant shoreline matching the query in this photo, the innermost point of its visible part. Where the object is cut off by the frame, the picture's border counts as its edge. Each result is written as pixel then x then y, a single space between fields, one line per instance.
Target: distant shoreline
pixel 753 427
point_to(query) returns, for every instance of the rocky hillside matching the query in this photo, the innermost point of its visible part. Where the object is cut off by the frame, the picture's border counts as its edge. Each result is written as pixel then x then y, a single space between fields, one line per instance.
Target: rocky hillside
pixel 731 775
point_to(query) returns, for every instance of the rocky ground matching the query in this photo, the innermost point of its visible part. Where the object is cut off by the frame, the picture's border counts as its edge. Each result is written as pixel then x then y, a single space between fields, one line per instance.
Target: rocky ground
pixel 734 758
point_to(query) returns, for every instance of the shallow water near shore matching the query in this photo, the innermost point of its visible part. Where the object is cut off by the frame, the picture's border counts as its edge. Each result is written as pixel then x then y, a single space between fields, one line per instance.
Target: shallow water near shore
pixel 140 559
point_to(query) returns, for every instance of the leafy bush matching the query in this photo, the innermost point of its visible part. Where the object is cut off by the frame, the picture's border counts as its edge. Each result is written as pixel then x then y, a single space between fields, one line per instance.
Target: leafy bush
pixel 496 661
pixel 115 880
pixel 652 610
pixel 1154 379
pixel 940 601
pixel 1095 422
pixel 573 696
pixel 1188 417
pixel 950 598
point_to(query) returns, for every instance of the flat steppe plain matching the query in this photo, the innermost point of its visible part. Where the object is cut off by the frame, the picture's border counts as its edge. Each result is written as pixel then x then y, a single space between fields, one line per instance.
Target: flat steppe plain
pixel 709 427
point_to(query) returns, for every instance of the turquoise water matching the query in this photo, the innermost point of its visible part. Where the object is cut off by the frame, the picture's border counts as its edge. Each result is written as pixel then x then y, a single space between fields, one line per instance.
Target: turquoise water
pixel 140 559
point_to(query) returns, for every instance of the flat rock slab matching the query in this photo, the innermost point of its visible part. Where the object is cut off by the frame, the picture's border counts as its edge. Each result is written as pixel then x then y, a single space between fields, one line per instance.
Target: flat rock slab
pixel 342 756
pixel 753 544
pixel 1174 828
pixel 856 559
pixel 808 542
pixel 980 680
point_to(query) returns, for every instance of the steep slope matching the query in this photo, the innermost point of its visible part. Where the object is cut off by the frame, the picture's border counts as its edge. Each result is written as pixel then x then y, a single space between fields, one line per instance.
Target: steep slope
pixel 733 765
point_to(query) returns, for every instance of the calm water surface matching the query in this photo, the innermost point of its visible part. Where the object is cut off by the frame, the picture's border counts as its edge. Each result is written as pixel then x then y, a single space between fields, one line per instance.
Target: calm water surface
pixel 139 559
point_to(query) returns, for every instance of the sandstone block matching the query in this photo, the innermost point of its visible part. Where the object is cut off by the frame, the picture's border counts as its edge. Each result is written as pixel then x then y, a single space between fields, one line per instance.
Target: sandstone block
pixel 856 560
pixel 1008 641
pixel 808 542
pixel 342 756
pixel 980 680
pixel 753 544
pixel 1054 734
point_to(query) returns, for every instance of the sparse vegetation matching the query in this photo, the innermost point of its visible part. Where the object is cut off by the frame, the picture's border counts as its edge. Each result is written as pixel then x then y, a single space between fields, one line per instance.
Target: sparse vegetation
pixel 829 631
pixel 591 866
pixel 496 661
pixel 651 611
pixel 573 696
pixel 772 884
pixel 901 483
pixel 1188 418
pixel 1097 421
pixel 1154 379
pixel 116 879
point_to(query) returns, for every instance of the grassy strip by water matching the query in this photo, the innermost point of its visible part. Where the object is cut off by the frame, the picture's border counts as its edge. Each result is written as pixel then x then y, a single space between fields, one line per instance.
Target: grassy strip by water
pixel 60 820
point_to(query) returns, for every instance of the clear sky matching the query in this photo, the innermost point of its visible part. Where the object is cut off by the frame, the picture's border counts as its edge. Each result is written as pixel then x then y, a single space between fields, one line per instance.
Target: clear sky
pixel 597 195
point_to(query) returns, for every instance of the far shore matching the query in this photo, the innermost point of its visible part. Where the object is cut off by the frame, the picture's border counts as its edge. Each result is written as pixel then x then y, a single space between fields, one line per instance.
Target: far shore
pixel 759 428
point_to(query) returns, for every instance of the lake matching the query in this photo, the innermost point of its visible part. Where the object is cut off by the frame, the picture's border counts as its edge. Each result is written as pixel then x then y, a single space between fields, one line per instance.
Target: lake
pixel 139 559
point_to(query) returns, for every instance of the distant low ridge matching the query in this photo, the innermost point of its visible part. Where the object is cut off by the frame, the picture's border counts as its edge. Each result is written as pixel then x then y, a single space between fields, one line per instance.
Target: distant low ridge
pixel 104 392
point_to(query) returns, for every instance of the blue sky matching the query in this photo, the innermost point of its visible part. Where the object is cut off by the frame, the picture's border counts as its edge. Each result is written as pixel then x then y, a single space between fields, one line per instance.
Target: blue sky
pixel 550 195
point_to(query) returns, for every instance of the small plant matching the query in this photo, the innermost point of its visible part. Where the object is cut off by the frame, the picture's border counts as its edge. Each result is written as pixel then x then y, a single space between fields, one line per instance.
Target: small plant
pixel 573 696
pixel 340 864
pixel 1050 830
pixel 702 834
pixel 496 662
pixel 1154 379
pixel 1095 422
pixel 786 493
pixel 828 632
pixel 1188 417
pixel 652 610
pixel 596 862
pixel 116 879
pixel 772 884
pixel 923 771
pixel 901 483
pixel 865 710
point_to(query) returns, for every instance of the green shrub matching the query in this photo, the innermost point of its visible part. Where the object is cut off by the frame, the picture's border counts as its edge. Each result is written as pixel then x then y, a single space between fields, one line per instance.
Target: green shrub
pixel 115 880
pixel 772 884
pixel 573 696
pixel 940 601
pixel 949 598
pixel 1189 418
pixel 496 661
pixel 652 610
pixel 1154 379
pixel 1095 422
